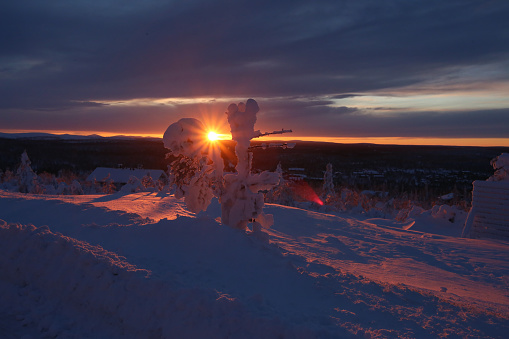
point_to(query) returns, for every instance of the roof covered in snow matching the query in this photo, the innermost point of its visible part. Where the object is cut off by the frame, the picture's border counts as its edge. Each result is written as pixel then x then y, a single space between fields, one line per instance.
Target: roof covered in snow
pixel 122 175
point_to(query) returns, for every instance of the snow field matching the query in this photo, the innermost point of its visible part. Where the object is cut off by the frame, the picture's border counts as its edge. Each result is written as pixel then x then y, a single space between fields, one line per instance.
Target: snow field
pixel 322 276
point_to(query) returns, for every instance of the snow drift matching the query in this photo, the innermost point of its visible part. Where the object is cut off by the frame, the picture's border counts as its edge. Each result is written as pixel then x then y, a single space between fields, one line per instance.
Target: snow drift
pixel 80 290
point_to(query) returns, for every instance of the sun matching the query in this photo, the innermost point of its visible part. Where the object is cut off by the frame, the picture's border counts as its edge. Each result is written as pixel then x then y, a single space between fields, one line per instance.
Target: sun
pixel 213 136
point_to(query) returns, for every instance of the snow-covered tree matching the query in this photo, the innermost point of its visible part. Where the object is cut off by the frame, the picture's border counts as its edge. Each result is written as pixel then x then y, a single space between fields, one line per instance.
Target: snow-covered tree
pixel 198 169
pixel 282 193
pixel 25 174
pixel 241 201
pixel 501 166
pixel 192 171
pixel 329 193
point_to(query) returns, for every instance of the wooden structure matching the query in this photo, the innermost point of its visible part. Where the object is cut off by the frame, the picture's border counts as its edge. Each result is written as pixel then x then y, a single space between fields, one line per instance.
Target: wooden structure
pixel 489 216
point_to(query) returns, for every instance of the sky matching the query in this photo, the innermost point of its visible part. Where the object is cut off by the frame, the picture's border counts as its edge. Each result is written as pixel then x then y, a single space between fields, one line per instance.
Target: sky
pixel 363 70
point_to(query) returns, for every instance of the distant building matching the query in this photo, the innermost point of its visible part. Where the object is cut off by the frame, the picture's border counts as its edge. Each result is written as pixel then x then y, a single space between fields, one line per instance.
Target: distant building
pixel 296 174
pixel 122 175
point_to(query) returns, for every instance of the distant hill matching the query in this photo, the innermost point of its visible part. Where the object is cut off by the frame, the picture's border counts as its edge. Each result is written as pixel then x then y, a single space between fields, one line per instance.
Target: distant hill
pixel 49 136
pixel 425 171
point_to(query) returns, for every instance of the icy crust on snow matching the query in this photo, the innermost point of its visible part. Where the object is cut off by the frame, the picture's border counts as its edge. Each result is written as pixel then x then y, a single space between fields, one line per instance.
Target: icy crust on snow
pixel 71 289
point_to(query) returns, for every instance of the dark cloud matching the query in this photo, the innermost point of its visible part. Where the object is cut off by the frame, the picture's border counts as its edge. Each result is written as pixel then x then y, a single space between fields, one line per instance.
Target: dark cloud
pixel 305 119
pixel 344 96
pixel 472 124
pixel 62 56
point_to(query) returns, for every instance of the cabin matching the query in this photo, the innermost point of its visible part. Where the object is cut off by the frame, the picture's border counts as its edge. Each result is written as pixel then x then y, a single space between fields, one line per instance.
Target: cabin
pixel 296 174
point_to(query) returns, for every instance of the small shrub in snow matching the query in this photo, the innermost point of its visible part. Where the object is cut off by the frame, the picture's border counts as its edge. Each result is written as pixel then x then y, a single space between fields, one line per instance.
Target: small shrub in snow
pixel 76 188
pixel 148 182
pixel 108 185
pixel 36 187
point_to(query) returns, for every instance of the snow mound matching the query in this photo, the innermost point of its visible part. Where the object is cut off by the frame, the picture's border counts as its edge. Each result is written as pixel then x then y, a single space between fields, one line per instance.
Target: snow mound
pixel 84 291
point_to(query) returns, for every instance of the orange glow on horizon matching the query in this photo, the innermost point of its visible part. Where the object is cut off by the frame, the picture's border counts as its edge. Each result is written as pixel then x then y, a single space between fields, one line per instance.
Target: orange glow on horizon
pixel 481 142
pixel 416 141
pixel 305 192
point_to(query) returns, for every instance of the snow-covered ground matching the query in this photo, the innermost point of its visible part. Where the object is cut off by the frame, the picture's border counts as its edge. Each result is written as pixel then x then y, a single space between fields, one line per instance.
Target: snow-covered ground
pixel 142 266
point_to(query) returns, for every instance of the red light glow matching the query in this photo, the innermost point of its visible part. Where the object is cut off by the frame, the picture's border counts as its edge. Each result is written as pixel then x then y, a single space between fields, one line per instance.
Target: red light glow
pixel 305 192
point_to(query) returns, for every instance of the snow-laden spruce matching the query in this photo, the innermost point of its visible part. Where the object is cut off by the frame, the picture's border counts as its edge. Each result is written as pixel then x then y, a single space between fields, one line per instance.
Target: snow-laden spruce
pixel 27 179
pixel 198 169
pixel 328 185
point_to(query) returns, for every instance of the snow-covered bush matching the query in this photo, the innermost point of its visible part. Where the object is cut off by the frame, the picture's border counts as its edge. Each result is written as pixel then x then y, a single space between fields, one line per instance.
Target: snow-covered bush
pixel 415 211
pixel 187 173
pixel 76 188
pixel 282 193
pixel 108 185
pixel 62 188
pixel 37 187
pixel 49 182
pixel 9 181
pixel 447 212
pixel 133 185
pixel 148 182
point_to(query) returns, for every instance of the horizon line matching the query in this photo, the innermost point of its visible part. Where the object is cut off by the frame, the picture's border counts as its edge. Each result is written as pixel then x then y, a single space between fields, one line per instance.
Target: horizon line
pixel 409 141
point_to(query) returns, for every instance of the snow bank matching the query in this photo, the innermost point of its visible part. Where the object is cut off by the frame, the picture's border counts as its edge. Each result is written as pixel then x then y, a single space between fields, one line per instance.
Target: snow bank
pixel 71 289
